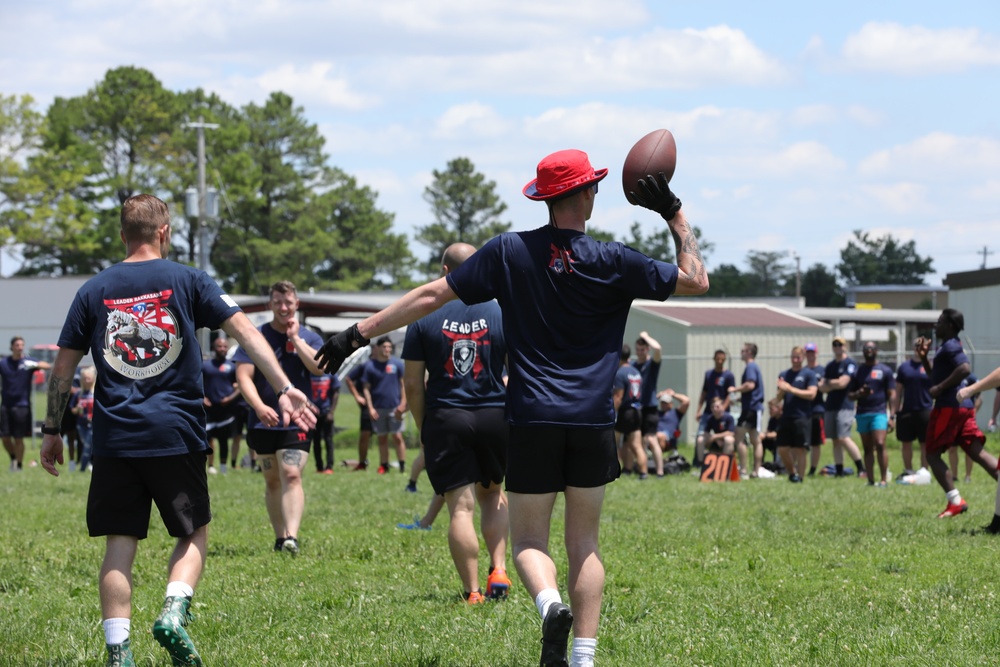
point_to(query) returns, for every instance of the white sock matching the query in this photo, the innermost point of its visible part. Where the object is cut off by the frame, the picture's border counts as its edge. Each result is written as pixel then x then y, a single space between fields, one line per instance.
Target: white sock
pixel 116 630
pixel 954 497
pixel 546 599
pixel 584 651
pixel 178 589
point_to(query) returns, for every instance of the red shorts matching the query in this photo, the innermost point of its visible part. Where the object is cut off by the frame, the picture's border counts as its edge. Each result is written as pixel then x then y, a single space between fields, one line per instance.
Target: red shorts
pixel 952 426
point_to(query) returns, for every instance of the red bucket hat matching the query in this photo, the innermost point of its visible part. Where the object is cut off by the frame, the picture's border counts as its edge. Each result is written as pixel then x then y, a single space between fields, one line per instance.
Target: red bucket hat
pixel 561 174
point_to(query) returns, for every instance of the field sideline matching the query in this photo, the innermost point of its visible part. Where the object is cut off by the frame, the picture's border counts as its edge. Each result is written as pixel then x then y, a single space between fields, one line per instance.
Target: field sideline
pixel 759 572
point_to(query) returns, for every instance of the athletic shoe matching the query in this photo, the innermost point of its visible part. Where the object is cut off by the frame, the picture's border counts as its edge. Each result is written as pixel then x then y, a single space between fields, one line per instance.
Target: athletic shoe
pixel 326 471
pixel 222 468
pixel 954 510
pixel 880 485
pixel 212 470
pixel 497 584
pixel 764 473
pixel 993 528
pixel 72 466
pixel 475 597
pixel 413 526
pixel 120 655
pixel 555 631
pixel 411 487
pixel 863 475
pixel 795 479
pixel 361 467
pixel 169 631
pixel 383 469
pixel 278 543
pixel 290 546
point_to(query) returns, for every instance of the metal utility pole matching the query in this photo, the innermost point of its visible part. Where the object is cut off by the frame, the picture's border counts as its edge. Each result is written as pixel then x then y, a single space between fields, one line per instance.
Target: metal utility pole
pixel 986 251
pixel 202 211
pixel 202 234
pixel 798 275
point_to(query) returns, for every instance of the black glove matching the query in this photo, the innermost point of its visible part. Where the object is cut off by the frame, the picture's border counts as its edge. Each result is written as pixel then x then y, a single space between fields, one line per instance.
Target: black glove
pixel 338 347
pixel 654 194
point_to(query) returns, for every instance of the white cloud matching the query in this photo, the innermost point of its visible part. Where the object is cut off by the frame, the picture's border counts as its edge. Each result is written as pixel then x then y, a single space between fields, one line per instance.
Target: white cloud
pixel 472 118
pixel 938 154
pixel 315 85
pixel 898 198
pixel 916 50
pixel 709 193
pixel 814 114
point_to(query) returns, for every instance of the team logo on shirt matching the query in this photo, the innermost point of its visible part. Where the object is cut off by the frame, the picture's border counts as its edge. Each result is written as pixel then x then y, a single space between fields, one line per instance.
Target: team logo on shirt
pixel 465 339
pixel 876 374
pixel 140 339
pixel 556 260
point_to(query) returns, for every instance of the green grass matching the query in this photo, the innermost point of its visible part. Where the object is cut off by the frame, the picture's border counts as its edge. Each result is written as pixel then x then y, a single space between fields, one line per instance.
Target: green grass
pixel 761 572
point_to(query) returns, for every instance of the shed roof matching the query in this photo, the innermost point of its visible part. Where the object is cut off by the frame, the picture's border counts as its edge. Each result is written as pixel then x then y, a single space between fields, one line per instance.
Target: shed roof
pixel 743 315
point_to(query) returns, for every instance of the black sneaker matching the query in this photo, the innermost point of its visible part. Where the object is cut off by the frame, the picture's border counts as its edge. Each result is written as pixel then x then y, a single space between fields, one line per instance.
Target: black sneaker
pixel 555 633
pixel 291 546
pixel 795 479
pixel 278 543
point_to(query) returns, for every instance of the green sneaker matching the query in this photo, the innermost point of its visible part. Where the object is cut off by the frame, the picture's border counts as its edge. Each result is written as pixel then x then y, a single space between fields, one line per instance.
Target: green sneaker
pixel 120 655
pixel 169 630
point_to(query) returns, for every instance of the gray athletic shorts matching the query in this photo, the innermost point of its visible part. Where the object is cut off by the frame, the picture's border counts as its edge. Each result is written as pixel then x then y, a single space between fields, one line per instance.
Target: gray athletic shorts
pixel 839 423
pixel 386 423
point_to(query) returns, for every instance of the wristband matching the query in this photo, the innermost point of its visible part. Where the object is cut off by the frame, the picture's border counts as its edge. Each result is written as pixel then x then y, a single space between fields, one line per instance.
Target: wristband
pixel 51 430
pixel 287 388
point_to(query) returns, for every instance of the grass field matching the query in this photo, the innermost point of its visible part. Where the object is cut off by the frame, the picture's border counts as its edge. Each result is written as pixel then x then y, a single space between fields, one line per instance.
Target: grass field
pixel 759 572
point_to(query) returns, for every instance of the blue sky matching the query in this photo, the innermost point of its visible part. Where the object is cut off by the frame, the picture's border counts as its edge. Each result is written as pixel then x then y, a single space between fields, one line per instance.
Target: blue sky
pixel 795 122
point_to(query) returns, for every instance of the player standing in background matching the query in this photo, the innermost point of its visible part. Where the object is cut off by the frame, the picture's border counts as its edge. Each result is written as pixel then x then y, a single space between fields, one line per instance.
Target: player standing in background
pixel 751 390
pixel 627 396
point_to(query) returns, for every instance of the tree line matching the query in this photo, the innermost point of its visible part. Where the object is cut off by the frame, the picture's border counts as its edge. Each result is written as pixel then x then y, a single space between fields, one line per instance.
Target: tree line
pixel 286 213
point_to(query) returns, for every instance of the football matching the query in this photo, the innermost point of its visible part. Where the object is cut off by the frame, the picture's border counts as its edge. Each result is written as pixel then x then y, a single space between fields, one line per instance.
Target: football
pixel 652 154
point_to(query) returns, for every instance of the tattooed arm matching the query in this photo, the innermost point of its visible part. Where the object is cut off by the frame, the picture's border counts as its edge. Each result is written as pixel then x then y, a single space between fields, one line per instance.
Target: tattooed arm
pixel 692 277
pixel 60 388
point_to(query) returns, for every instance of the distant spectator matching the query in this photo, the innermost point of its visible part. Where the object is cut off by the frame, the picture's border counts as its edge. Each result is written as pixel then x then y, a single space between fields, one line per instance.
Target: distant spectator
pixel 382 385
pixel 627 395
pixel 16 424
pixel 797 388
pixel 673 406
pixel 751 390
pixel 818 434
pixel 873 388
pixel 717 382
pixel 913 407
pixel 648 355
pixel 325 390
pixel 839 418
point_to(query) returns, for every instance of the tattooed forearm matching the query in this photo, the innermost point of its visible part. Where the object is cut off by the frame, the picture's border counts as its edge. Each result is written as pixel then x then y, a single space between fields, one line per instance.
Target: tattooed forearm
pixel 689 258
pixel 59 392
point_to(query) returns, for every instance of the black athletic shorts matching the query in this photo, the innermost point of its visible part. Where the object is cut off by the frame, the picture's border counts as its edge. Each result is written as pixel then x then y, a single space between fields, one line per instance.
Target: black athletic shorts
pixel 122 491
pixel 650 420
pixel 15 421
pixel 366 421
pixel 464 447
pixel 818 430
pixel 629 420
pixel 749 419
pixel 912 426
pixel 794 433
pixel 547 459
pixel 268 441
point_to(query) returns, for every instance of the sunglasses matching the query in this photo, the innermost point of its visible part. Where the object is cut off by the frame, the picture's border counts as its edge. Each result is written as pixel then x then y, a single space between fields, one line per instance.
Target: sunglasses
pixel 838 344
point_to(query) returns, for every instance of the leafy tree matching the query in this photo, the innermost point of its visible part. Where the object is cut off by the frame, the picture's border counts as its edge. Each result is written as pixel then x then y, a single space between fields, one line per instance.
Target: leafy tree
pixel 819 287
pixel 20 136
pixel 660 244
pixel 599 234
pixel 768 272
pixel 867 260
pixel 466 209
pixel 728 281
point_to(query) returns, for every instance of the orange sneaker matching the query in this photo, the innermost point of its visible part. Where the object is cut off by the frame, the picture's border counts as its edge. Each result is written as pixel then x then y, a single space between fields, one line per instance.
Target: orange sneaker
pixel 475 597
pixel 954 510
pixel 497 584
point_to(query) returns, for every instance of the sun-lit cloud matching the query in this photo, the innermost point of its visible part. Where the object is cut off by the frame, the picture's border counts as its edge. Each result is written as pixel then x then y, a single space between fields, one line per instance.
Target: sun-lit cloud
pixel 898 197
pixel 939 153
pixel 917 50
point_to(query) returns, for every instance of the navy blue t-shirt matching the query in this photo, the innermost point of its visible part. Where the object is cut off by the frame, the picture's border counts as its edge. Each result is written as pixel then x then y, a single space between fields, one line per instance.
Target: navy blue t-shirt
pixel 323 387
pixel 912 377
pixel 649 371
pixel 970 401
pixel 880 378
pixel 837 400
pixel 716 383
pixel 138 319
pixel 289 361
pixel 753 400
pixel 948 357
pixel 463 350
pixel 629 381
pixel 219 378
pixel 818 404
pixel 723 424
pixel 564 325
pixel 795 407
pixel 383 380
pixel 16 377
pixel 670 424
